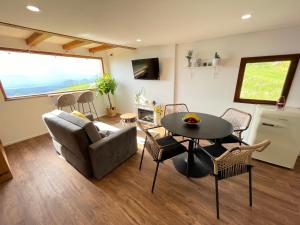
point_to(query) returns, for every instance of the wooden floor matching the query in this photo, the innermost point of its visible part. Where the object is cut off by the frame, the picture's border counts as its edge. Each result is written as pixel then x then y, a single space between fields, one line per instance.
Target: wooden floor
pixel 47 190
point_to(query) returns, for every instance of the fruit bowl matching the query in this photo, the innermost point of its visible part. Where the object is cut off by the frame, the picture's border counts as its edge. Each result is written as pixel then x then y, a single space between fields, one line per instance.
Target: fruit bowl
pixel 191 119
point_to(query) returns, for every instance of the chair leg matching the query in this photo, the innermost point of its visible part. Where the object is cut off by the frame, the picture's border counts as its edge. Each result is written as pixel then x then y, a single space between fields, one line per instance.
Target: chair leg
pixel 250 188
pixel 154 179
pixel 95 111
pixel 142 155
pixel 217 196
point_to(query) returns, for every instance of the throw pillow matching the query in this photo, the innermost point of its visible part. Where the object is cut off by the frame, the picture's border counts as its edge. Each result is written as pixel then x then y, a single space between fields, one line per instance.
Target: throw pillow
pixel 79 114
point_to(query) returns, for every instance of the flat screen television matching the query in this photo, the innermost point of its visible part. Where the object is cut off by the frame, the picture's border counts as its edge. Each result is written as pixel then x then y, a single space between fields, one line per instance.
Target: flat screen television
pixel 146 69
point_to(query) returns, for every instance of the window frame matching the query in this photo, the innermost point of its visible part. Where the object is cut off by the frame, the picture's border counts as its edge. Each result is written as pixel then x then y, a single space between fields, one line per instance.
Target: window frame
pixel 6 98
pixel 294 58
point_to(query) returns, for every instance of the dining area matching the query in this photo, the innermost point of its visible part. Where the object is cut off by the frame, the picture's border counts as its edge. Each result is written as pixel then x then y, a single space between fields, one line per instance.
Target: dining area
pixel 200 144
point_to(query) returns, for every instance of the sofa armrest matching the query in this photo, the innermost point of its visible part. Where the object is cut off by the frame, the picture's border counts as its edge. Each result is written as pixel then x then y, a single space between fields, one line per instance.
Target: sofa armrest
pixel 109 152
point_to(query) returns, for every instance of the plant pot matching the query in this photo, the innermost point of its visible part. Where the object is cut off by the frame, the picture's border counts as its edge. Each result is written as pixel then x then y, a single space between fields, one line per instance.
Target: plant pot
pixel 111 112
pixel 215 61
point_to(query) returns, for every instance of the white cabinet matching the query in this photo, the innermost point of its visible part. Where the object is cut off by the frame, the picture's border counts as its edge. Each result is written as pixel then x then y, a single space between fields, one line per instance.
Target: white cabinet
pixel 282 127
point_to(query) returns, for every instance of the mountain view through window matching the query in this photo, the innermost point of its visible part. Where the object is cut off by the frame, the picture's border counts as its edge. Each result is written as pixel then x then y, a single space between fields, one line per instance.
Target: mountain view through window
pixel 23 74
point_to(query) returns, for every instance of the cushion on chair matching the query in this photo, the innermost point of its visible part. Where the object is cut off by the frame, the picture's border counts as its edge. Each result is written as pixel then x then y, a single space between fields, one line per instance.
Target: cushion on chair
pixel 79 114
pixel 231 139
pixel 170 151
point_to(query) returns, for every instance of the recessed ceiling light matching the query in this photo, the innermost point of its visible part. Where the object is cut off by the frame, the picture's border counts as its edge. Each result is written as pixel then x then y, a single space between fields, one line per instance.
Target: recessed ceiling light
pixel 33 8
pixel 246 16
pixel 138 40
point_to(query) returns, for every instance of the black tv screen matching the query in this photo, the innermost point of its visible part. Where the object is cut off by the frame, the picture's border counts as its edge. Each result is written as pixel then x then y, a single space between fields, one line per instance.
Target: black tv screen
pixel 146 69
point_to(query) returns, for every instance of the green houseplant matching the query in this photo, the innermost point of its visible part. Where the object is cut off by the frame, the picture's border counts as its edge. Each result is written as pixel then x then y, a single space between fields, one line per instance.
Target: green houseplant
pixel 107 85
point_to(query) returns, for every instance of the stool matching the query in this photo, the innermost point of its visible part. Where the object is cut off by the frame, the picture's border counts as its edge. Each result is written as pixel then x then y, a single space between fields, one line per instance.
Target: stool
pixel 87 98
pixel 66 100
pixel 128 119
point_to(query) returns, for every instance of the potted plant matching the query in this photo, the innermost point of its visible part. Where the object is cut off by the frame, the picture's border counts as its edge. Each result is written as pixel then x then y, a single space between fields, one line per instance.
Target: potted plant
pixel 216 59
pixel 107 85
pixel 189 57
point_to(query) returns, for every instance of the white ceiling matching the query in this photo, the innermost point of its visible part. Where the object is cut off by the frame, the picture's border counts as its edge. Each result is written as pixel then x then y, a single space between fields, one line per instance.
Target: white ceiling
pixel 156 22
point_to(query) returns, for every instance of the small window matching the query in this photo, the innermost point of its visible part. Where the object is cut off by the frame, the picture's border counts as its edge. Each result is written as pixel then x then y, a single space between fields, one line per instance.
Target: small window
pixel 24 74
pixel 262 80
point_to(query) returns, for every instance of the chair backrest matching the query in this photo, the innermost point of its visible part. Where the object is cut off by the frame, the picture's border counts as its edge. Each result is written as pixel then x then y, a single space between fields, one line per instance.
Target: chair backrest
pixel 172 108
pixel 240 120
pixel 65 100
pixel 235 161
pixel 150 143
pixel 86 97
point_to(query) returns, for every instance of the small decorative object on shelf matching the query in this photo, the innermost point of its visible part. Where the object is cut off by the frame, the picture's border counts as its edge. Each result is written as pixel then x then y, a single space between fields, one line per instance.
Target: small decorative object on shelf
pixel 280 102
pixel 189 57
pixel 198 62
pixel 216 59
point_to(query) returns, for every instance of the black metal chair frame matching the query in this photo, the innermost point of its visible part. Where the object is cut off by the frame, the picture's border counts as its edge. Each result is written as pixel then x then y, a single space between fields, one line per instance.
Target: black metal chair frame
pixel 157 161
pixel 239 131
pixel 217 178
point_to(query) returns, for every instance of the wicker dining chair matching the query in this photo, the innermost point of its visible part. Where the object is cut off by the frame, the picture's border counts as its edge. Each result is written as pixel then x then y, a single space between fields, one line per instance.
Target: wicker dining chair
pixel 66 100
pixel 225 163
pixel 240 121
pixel 88 99
pixel 173 108
pixel 160 149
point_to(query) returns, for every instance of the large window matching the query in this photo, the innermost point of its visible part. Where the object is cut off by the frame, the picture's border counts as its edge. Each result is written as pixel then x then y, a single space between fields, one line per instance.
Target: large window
pixel 262 80
pixel 35 73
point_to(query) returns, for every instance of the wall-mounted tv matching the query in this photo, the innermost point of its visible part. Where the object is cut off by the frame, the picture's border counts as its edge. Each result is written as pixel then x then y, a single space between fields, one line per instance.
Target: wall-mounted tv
pixel 146 69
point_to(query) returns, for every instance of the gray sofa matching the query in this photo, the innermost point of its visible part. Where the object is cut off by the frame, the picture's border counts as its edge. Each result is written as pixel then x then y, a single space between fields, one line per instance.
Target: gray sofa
pixel 94 149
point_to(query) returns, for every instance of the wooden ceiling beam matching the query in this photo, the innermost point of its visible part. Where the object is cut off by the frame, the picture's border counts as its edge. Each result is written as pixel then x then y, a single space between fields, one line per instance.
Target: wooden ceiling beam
pixel 101 48
pixel 36 38
pixel 75 44
pixel 61 35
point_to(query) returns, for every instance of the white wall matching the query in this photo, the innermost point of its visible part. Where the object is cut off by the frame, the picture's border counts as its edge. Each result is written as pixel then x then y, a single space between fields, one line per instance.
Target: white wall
pixel 205 92
pixel 21 119
pixel 162 91
pixel 199 88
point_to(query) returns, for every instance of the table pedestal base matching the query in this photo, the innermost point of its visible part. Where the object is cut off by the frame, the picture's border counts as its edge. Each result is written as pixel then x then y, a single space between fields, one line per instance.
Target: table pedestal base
pixel 199 167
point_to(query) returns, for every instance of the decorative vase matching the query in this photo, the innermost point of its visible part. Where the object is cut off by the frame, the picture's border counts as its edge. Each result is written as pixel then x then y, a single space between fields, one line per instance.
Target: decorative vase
pixel 189 63
pixel 111 112
pixel 215 61
pixel 157 118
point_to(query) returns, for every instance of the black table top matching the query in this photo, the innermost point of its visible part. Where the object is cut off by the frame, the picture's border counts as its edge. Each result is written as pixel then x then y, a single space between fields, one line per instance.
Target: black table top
pixel 210 127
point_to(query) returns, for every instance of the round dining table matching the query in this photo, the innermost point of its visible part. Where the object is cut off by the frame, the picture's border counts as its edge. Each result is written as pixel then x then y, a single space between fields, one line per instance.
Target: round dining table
pixel 210 128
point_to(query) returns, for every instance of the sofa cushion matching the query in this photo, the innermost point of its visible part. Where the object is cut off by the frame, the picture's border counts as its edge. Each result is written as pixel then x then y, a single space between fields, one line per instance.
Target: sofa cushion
pixel 87 125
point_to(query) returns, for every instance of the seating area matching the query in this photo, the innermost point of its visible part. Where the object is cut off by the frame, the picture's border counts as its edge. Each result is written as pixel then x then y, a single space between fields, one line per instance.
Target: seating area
pixel 149 112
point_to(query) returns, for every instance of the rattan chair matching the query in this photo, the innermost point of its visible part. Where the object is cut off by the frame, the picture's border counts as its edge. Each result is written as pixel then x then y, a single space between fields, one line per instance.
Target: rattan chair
pixel 88 99
pixel 66 100
pixel 240 121
pixel 225 163
pixel 173 108
pixel 160 149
